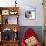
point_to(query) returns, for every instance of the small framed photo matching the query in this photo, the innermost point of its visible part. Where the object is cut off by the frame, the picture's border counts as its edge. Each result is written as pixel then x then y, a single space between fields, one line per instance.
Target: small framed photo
pixel 30 14
pixel 5 12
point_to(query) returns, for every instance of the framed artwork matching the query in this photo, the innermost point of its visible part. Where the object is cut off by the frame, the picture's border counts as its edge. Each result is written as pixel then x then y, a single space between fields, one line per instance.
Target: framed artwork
pixel 5 12
pixel 30 14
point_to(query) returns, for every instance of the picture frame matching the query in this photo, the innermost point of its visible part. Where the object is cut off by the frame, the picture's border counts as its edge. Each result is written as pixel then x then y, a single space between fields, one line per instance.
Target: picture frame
pixel 30 14
pixel 5 12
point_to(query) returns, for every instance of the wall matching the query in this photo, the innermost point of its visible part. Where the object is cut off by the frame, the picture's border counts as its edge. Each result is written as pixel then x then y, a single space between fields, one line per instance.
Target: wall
pixel 27 4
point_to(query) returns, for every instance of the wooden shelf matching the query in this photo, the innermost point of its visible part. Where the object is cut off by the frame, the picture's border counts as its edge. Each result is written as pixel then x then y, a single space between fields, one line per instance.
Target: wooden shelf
pixel 10 43
pixel 5 8
pixel 5 12
pixel 4 24
pixel 11 26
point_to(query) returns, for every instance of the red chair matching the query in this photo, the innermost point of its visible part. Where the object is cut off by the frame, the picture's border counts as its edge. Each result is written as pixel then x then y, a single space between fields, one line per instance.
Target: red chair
pixel 29 33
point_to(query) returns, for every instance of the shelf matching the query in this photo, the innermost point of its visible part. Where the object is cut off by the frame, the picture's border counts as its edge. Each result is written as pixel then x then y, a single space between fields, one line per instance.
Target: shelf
pixel 6 24
pixel 10 26
pixel 6 12
pixel 11 41
pixel 9 10
pixel 5 8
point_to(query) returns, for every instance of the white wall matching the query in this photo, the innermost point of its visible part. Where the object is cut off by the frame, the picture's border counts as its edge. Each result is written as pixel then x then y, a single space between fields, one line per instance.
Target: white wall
pixel 27 4
pixel 39 12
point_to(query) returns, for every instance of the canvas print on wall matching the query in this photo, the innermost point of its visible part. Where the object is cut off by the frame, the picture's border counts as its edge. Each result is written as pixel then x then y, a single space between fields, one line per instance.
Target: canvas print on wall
pixel 30 14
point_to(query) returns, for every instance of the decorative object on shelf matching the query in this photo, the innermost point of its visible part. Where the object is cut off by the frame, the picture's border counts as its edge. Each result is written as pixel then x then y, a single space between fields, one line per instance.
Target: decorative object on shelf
pixel 13 12
pixel 30 14
pixel 5 12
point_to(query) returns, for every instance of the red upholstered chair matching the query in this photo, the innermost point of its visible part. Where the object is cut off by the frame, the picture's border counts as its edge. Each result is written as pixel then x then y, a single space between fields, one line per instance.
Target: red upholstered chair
pixel 29 33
